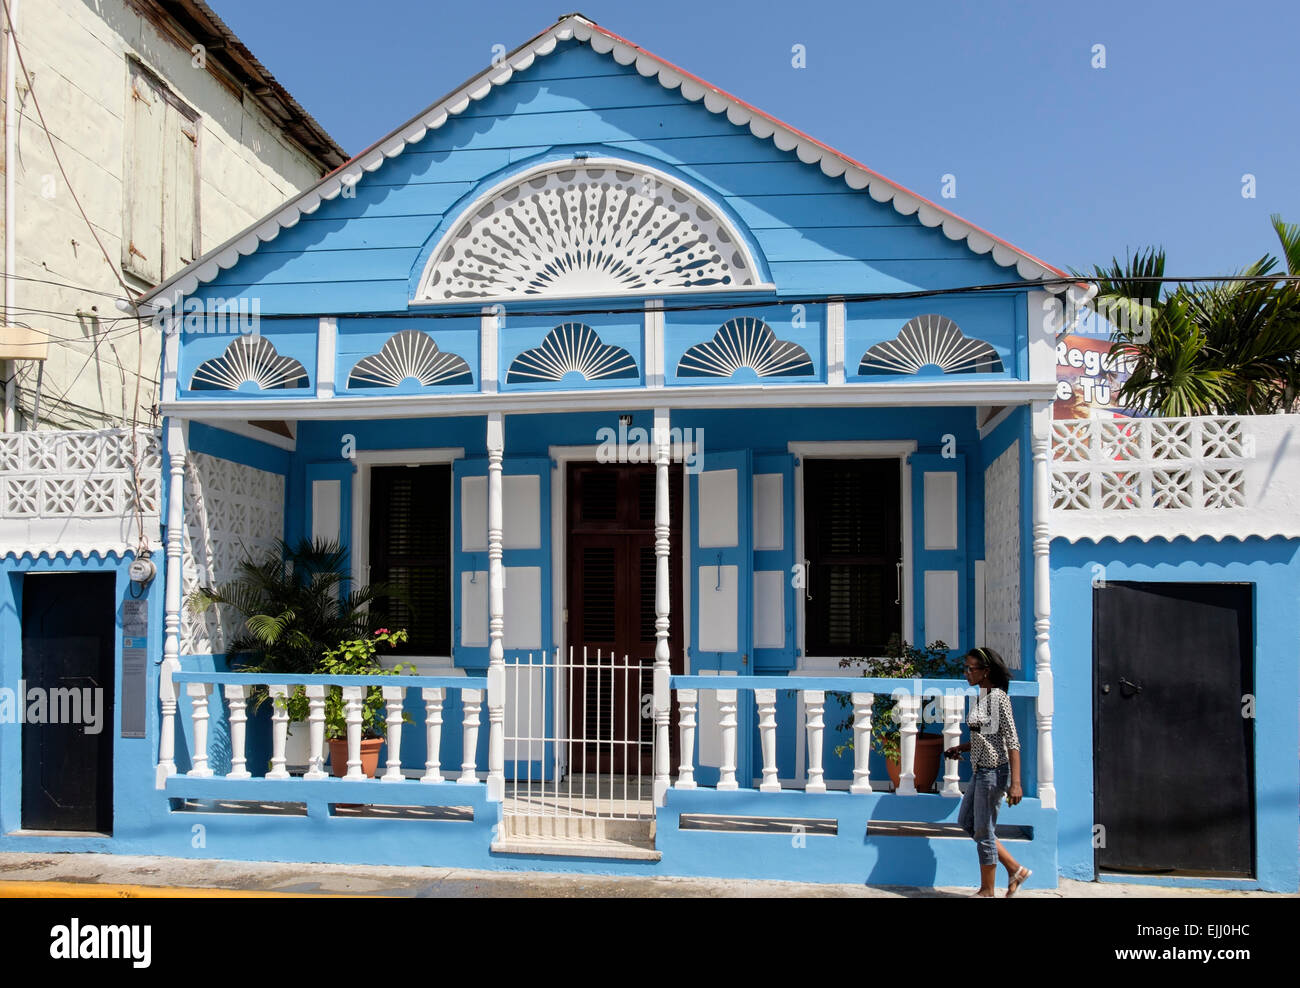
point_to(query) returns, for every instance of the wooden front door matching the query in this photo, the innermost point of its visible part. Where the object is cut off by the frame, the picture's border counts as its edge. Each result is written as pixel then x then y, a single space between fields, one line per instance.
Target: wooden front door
pixel 611 610
pixel 1174 756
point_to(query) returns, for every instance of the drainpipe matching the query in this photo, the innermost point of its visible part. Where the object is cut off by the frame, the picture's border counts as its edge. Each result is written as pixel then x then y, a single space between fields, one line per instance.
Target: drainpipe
pixel 11 129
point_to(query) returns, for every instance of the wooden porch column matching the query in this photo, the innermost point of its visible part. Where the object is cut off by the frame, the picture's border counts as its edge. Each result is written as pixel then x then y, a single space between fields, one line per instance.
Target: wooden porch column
pixel 176 442
pixel 496 691
pixel 663 668
pixel 1042 428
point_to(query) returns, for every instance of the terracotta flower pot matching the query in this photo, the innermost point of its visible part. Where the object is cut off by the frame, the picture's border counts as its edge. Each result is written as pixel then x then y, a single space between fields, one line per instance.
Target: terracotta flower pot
pixel 925 767
pixel 369 756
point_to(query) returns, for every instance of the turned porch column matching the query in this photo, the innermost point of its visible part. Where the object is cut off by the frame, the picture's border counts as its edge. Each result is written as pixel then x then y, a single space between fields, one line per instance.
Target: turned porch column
pixel 1042 430
pixel 176 441
pixel 663 668
pixel 496 691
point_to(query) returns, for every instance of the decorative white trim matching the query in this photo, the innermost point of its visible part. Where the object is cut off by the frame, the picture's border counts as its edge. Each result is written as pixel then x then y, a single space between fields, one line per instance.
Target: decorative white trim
pixel 628 228
pixel 488 349
pixel 326 348
pixel 572 348
pixel 835 343
pixel 853 450
pixel 409 353
pixel 249 360
pixel 654 343
pixel 745 342
pixel 1045 704
pixel 832 163
pixel 927 340
pixel 935 392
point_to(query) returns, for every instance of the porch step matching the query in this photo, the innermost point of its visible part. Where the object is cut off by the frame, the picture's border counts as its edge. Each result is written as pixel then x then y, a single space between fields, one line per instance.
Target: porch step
pixel 577 837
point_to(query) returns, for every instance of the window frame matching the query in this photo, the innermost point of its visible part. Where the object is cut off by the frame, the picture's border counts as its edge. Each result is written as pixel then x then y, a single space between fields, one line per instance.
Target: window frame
pixel 852 450
pixel 361 508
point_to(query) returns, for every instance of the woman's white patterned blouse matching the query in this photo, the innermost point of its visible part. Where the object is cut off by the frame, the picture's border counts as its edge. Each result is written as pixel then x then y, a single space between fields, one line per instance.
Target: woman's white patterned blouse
pixel 992 729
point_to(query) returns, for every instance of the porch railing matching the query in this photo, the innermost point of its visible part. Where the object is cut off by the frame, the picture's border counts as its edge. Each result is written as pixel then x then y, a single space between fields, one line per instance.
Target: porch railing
pixel 911 694
pixel 237 687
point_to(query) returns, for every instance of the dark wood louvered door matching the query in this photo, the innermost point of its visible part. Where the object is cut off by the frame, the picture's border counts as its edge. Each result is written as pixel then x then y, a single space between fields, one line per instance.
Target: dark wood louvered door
pixel 611 609
pixel 853 545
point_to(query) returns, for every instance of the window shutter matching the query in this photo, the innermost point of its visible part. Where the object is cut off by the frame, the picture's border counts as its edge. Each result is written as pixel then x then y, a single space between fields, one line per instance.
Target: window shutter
pixel 143 221
pixel 179 245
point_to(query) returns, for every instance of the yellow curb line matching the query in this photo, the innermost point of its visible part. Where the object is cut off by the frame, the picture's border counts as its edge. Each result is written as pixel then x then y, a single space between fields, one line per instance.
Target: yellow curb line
pixel 94 890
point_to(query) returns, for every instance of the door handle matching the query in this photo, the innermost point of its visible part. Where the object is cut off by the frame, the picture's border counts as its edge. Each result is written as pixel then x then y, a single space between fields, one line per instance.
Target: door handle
pixel 807 579
pixel 1127 688
pixel 898 582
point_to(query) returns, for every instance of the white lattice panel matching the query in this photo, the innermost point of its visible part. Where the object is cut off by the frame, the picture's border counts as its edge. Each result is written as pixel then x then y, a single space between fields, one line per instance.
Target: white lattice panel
pixel 231 512
pixel 79 491
pixel 1166 477
pixel 1002 555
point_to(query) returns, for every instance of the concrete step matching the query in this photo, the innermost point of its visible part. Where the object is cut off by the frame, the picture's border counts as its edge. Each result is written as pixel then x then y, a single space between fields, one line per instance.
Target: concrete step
pixel 577 837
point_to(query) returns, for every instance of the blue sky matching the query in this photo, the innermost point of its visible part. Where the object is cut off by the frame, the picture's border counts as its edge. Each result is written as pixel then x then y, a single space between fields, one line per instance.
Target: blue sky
pixel 1068 161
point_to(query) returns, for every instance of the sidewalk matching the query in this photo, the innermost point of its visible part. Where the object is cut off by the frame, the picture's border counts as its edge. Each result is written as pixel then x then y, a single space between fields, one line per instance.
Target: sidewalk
pixel 113 875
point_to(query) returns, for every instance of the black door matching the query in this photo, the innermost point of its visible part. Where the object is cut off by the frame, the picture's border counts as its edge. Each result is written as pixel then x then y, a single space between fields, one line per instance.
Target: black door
pixel 1174 754
pixel 68 622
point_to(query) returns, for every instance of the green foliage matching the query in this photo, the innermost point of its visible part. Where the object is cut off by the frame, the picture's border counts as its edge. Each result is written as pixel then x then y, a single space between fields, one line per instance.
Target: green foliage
pixel 901 660
pixel 1228 348
pixel 357 658
pixel 294 605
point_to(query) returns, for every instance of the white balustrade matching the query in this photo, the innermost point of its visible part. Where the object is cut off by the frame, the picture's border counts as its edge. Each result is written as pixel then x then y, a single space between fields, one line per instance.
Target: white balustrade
pixel 393 697
pixel 472 701
pixel 727 727
pixel 352 715
pixel 237 698
pixel 766 702
pixel 279 730
pixel 909 708
pixel 862 709
pixel 952 711
pixel 316 733
pixel 432 696
pixel 687 703
pixel 199 693
pixel 814 706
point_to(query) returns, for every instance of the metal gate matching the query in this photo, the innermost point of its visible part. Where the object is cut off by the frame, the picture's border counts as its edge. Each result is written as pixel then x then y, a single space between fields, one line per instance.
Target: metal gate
pixel 579 744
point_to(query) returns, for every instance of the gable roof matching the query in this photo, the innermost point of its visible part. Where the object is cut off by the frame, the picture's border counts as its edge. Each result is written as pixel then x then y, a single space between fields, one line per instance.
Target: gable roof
pixel 603 41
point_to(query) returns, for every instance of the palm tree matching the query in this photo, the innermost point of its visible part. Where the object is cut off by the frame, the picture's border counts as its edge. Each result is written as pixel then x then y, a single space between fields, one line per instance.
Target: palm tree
pixel 1230 348
pixel 295 604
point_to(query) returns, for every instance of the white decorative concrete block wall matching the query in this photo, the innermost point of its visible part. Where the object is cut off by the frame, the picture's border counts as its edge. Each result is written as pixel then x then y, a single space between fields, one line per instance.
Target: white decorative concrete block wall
pixel 79 491
pixel 231 512
pixel 1002 555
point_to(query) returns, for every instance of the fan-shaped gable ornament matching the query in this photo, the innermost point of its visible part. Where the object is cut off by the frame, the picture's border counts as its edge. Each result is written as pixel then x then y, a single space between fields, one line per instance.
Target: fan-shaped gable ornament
pixel 745 343
pixel 931 341
pixel 252 361
pixel 572 348
pixel 410 354
pixel 587 229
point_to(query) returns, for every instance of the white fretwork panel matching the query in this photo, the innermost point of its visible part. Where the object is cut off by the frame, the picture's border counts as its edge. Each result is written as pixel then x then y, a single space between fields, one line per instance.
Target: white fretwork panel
pixel 79 491
pixel 1166 477
pixel 590 229
pixel 1002 555
pixel 231 512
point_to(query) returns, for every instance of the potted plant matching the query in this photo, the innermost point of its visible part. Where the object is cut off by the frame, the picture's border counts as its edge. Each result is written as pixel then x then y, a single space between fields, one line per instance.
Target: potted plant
pixel 292 608
pixel 356 657
pixel 903 660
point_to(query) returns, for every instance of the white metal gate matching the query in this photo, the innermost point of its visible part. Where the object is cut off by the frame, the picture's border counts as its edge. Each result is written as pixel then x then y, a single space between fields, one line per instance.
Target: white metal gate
pixel 579 743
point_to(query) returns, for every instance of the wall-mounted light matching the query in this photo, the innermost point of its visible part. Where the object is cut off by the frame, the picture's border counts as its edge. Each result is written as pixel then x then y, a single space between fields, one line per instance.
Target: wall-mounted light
pixel 625 420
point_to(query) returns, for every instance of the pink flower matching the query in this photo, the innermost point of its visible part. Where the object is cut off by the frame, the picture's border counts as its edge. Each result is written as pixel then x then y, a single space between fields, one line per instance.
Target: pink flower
pixel 382 631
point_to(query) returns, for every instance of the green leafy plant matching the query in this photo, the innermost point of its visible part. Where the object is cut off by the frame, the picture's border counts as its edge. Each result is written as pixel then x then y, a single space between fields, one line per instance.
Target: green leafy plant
pixel 356 657
pixel 294 605
pixel 901 660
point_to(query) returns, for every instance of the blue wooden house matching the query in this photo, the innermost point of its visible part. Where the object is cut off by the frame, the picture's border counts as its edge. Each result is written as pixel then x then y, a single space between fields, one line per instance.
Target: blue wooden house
pixel 663 413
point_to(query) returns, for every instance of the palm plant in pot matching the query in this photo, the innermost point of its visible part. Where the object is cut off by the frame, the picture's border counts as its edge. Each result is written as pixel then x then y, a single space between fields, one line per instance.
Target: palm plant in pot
pixel 357 657
pixel 902 660
pixel 292 608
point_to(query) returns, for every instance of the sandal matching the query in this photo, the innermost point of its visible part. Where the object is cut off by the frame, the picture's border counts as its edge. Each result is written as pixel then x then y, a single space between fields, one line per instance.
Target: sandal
pixel 1018 879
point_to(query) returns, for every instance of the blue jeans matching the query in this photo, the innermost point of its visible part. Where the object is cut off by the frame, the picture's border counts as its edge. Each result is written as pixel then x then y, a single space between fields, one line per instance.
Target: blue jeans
pixel 978 815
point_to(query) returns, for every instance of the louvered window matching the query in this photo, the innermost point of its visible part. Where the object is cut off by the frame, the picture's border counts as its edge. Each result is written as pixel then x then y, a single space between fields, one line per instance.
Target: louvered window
pixel 852 543
pixel 410 550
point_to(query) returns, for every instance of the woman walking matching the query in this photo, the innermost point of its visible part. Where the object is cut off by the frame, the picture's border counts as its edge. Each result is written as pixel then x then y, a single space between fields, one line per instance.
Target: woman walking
pixel 994 747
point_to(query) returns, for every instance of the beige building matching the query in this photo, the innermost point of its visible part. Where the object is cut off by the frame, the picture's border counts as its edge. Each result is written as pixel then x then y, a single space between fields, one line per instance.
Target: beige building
pixel 171 137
